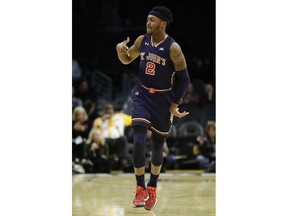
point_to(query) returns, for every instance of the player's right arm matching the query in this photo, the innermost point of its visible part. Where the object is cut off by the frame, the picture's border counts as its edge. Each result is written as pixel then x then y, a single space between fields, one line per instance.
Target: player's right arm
pixel 125 54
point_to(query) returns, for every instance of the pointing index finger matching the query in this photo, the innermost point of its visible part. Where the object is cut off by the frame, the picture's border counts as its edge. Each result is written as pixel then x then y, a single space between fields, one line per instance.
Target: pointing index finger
pixel 127 40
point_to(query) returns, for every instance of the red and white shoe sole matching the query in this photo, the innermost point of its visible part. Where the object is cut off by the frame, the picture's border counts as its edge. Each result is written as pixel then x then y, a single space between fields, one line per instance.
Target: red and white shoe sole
pixel 139 205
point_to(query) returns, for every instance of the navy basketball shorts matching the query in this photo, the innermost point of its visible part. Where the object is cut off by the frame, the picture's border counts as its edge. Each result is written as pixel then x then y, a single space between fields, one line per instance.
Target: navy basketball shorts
pixel 152 110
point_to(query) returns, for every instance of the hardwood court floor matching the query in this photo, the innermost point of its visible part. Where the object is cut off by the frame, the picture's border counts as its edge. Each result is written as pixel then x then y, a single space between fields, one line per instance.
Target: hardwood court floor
pixel 185 194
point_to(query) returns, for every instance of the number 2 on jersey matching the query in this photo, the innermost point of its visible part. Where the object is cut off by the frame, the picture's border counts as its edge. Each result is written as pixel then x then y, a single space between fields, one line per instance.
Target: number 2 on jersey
pixel 150 68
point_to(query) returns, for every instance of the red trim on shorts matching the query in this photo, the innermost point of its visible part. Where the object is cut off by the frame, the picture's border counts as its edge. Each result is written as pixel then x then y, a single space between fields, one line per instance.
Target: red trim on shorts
pixel 160 132
pixel 140 120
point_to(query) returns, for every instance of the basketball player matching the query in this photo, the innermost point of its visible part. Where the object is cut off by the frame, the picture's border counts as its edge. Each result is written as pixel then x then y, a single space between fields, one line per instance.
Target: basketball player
pixel 163 81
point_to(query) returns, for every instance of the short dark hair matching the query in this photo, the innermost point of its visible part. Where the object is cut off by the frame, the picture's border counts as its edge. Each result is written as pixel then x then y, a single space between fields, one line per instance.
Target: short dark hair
pixel 166 11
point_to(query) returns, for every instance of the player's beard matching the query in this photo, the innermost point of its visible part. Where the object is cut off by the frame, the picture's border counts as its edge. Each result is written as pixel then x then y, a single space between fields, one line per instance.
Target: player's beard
pixel 149 30
pixel 154 30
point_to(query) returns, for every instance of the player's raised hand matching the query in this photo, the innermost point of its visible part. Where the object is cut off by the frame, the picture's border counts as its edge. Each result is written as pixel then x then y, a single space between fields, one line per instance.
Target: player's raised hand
pixel 174 110
pixel 123 48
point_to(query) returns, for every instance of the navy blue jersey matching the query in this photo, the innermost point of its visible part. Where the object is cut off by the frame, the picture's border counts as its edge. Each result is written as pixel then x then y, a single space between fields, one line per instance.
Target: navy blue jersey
pixel 156 68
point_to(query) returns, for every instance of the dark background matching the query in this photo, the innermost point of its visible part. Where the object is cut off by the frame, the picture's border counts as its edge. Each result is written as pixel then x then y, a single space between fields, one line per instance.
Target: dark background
pixel 99 25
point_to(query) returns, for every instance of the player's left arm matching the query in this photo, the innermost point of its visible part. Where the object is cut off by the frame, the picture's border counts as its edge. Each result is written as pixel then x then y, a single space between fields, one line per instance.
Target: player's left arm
pixel 177 57
pixel 181 80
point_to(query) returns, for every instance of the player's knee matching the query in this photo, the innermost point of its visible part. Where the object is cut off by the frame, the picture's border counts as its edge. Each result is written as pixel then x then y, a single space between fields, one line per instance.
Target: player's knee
pixel 159 139
pixel 157 157
pixel 140 133
pixel 139 129
pixel 157 149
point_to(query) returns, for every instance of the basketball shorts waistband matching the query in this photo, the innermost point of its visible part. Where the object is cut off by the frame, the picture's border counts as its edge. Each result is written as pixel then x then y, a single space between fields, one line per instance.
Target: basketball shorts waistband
pixel 153 90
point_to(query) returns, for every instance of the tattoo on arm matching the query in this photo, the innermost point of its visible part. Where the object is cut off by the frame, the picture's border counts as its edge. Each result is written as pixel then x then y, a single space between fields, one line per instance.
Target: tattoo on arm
pixel 177 57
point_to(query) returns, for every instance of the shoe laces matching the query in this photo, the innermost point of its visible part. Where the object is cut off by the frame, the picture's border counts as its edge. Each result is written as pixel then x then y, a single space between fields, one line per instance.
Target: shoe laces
pixel 139 192
pixel 152 193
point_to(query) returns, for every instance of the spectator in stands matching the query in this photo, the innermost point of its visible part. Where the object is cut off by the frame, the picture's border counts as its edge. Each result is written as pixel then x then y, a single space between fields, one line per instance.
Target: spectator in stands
pixel 75 101
pixel 80 130
pixel 209 96
pixel 96 153
pixel 205 147
pixel 88 97
pixel 211 139
pixel 126 118
pixel 76 70
pixel 112 126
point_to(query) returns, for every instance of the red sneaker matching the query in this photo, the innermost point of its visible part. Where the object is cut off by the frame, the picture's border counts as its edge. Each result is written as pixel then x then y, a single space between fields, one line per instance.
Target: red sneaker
pixel 152 200
pixel 140 196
